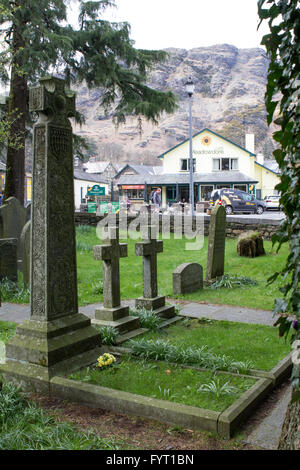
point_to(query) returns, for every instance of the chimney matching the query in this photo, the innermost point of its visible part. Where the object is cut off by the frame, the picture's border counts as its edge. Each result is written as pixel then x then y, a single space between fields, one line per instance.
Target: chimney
pixel 260 158
pixel 249 142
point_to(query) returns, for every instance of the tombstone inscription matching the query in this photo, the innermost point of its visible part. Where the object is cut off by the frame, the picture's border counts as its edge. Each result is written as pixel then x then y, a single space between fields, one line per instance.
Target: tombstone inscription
pixel 56 338
pixel 216 244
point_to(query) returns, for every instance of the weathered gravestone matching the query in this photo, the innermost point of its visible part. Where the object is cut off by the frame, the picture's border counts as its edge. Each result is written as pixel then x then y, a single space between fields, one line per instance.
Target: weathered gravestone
pixel 148 249
pixel 113 313
pixel 56 338
pixel 8 259
pixel 216 244
pixel 12 220
pixel 25 252
pixel 188 277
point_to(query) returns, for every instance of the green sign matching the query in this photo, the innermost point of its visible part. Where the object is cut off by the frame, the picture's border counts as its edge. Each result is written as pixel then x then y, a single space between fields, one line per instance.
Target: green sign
pixel 92 207
pixel 103 207
pixel 96 190
pixel 115 207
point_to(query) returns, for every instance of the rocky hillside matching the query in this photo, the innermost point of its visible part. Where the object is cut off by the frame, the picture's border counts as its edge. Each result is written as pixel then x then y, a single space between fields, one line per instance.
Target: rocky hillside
pixel 229 99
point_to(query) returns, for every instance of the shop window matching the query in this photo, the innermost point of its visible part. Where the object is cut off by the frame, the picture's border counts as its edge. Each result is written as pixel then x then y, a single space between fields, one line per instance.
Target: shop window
pixel 241 187
pixel 205 192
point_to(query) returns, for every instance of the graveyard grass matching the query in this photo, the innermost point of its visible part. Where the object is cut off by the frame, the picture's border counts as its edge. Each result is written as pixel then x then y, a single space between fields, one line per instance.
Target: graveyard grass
pixel 164 381
pixel 259 269
pixel 259 345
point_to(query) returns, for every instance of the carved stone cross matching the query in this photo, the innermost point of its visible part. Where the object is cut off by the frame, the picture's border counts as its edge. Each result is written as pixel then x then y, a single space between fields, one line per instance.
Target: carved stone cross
pixel 110 253
pixel 52 99
pixel 149 248
pixel 57 338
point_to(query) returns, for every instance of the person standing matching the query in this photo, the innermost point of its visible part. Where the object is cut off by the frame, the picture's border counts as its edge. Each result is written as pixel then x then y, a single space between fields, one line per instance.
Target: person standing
pixel 157 198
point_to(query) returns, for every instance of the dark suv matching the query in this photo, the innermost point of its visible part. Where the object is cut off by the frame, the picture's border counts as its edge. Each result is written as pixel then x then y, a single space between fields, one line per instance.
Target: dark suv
pixel 235 200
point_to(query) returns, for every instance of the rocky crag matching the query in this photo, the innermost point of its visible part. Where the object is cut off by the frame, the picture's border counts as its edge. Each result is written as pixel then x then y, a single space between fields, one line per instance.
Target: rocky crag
pixel 230 84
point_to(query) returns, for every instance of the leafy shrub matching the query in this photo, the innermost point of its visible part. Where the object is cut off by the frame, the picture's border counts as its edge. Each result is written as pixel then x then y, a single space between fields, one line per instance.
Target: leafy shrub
pixel 108 334
pixel 148 319
pixel 97 287
pixel 217 388
pixel 14 292
pixel 230 281
pixel 201 357
pixel 25 426
pixel 84 246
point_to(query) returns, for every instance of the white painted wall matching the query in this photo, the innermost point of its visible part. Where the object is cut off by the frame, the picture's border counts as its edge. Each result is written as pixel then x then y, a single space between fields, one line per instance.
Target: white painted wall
pixel 206 147
pixel 78 184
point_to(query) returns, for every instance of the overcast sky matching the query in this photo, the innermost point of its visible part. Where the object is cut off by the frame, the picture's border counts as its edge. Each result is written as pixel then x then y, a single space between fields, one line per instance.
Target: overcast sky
pixel 159 24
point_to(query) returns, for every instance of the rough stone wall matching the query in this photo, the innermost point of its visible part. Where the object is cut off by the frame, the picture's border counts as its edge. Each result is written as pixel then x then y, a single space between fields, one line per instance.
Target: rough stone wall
pixel 233 229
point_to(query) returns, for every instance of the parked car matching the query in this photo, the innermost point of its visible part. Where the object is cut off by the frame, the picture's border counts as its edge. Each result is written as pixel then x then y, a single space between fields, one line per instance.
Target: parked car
pixel 272 202
pixel 235 200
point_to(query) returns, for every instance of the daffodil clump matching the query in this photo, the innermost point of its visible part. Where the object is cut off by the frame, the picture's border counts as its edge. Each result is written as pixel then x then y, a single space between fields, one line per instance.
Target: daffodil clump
pixel 106 360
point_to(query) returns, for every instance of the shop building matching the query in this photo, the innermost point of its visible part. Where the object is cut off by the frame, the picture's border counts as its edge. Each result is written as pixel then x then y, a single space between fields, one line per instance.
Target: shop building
pixel 217 163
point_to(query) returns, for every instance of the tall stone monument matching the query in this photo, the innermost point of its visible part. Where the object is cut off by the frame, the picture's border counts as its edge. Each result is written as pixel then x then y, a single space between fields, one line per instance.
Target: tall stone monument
pixel 148 248
pixel 216 244
pixel 113 313
pixel 56 338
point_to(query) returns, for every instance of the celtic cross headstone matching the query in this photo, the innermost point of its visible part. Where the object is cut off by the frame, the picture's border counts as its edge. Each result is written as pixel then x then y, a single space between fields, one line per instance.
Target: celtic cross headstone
pixel 56 338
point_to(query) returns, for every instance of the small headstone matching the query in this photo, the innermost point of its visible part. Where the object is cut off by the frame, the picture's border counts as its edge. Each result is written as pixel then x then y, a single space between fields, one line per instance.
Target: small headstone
pixel 188 277
pixel 8 259
pixel 25 252
pixel 216 244
pixel 12 220
pixel 148 249
pixel 113 313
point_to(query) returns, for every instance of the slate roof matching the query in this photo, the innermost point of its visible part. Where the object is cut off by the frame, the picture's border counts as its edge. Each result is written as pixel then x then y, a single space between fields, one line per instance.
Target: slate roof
pixel 142 169
pixel 217 177
pixel 272 165
pixel 83 175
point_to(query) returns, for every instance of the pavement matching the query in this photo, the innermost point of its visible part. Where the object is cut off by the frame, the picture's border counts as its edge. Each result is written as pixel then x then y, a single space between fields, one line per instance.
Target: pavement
pixel 266 433
pixel 18 312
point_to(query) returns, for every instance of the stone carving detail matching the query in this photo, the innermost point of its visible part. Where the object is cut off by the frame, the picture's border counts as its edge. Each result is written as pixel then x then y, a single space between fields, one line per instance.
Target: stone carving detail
pixel 54 280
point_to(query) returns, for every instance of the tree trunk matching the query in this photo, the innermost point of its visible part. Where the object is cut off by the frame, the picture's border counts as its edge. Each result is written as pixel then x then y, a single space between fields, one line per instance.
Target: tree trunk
pixel 17 105
pixel 290 434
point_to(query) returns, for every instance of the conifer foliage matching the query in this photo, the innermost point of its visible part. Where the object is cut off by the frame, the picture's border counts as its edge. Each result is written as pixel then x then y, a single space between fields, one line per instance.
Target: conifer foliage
pixel 38 40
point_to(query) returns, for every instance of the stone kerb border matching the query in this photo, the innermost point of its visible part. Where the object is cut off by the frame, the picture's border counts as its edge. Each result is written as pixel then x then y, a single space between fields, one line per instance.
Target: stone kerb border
pixel 190 417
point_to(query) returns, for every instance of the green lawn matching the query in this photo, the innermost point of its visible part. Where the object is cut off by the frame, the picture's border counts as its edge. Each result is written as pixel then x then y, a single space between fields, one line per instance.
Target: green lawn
pixel 166 382
pixel 259 269
pixel 244 342
pixel 89 271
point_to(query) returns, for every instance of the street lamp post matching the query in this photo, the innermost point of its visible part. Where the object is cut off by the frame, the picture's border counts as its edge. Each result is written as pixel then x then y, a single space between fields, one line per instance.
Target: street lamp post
pixel 189 86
